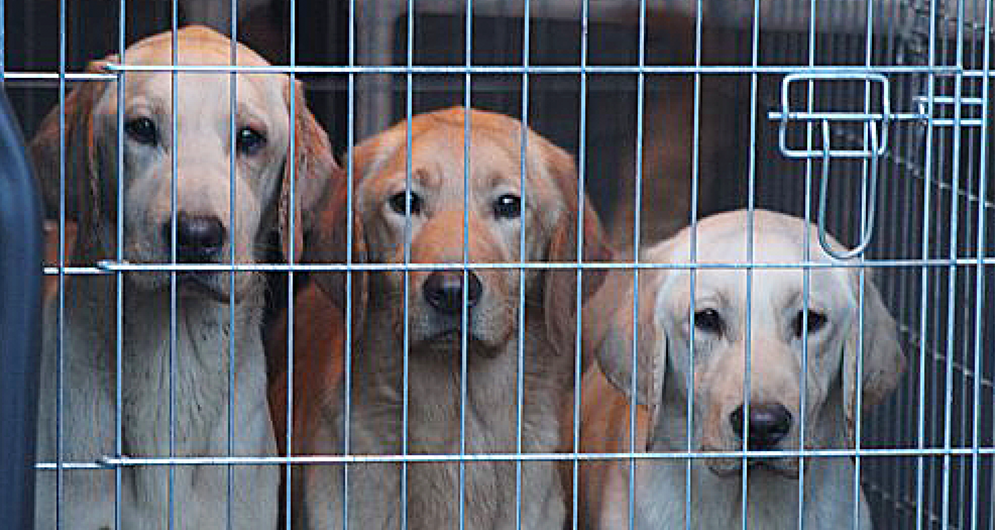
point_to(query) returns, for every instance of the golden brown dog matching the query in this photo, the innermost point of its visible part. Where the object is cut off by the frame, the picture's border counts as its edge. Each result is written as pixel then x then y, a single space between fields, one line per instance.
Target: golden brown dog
pixel 779 322
pixel 183 392
pixel 438 420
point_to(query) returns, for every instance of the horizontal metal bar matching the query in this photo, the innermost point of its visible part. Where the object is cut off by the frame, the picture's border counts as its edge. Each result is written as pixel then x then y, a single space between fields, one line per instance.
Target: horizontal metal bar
pixel 844 116
pixel 70 466
pixel 941 71
pixel 835 154
pixel 53 270
pixel 838 71
pixel 54 76
pixel 964 122
pixel 113 462
pixel 106 268
pixel 952 100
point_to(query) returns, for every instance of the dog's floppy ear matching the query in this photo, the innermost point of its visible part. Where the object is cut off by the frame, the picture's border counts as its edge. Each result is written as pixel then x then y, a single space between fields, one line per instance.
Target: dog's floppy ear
pixel 82 174
pixel 331 241
pixel 882 362
pixel 313 166
pixel 609 330
pixel 560 286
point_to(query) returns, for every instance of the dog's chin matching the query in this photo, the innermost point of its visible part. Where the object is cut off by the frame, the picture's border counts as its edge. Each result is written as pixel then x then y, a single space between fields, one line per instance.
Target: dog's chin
pixel 188 285
pixel 786 467
pixel 200 285
pixel 449 341
pixel 724 467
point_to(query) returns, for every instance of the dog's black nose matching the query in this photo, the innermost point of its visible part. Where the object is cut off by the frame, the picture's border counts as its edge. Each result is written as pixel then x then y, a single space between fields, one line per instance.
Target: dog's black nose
pixel 443 290
pixel 769 424
pixel 199 238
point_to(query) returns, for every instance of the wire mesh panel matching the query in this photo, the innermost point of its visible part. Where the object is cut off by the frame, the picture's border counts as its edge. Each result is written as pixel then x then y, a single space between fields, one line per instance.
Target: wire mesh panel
pixel 868 119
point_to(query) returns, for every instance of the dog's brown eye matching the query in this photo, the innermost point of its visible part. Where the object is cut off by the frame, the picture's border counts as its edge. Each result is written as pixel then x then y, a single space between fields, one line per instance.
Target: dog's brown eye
pixel 816 321
pixel 708 320
pixel 508 206
pixel 142 130
pixel 397 202
pixel 249 141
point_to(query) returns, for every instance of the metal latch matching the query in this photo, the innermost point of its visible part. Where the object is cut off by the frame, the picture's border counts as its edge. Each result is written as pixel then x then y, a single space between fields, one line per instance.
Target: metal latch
pixel 875 125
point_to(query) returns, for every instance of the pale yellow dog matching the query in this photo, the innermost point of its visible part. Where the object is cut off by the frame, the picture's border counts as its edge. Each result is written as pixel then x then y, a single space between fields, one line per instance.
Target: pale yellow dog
pixel 771 330
pixel 181 394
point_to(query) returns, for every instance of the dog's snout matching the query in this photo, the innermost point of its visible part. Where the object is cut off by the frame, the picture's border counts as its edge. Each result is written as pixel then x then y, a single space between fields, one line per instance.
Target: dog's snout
pixel 769 424
pixel 443 290
pixel 199 238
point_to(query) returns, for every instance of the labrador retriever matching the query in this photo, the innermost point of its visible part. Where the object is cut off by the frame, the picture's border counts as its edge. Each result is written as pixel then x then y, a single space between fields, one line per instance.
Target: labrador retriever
pixel 436 367
pixel 739 321
pixel 184 375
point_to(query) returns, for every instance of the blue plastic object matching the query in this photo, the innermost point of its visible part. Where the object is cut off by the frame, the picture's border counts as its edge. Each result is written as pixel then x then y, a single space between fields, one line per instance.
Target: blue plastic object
pixel 20 323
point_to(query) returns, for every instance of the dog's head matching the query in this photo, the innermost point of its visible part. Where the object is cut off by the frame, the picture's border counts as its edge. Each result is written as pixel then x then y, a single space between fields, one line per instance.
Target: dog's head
pixel 753 322
pixel 225 189
pixel 464 200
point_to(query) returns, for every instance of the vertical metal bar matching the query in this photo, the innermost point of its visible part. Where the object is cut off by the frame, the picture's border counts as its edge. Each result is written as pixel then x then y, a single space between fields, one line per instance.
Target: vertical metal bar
pixel 292 230
pixel 952 269
pixel 406 397
pixel 581 172
pixel 173 176
pixel 693 271
pixel 350 223
pixel 806 273
pixel 523 169
pixel 751 206
pixel 979 286
pixel 866 209
pixel 291 160
pixel 407 260
pixel 119 277
pixel 637 221
pixel 964 309
pixel 925 273
pixel 61 322
pixel 291 252
pixel 232 154
pixel 467 87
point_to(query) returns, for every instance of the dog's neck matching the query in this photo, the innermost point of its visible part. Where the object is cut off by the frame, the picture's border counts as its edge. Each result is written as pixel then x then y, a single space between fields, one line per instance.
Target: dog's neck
pixel 435 388
pixel 200 322
pixel 717 501
pixel 771 502
pixel 179 352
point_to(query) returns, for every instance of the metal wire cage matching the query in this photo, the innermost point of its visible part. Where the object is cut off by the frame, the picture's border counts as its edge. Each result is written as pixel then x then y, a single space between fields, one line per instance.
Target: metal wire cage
pixel 885 101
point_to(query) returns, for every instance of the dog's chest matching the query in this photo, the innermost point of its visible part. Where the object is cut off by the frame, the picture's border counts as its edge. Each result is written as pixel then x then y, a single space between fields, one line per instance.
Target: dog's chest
pixel 445 417
pixel 717 503
pixel 177 377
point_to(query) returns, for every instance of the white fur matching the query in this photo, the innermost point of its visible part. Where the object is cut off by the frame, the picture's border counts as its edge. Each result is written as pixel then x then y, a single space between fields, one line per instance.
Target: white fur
pixel 774 497
pixel 200 412
pixel 196 392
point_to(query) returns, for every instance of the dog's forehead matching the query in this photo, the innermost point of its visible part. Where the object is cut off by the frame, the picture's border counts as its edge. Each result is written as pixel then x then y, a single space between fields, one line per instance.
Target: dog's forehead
pixel 727 244
pixel 196 45
pixel 263 94
pixel 440 156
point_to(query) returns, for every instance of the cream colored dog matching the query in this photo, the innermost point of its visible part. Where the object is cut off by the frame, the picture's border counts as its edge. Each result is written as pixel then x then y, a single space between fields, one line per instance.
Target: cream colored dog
pixel 778 325
pixel 174 396
pixel 497 208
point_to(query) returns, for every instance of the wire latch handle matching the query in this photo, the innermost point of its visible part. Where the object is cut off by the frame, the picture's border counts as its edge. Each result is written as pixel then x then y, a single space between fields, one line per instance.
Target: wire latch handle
pixel 880 119
pixel 867 223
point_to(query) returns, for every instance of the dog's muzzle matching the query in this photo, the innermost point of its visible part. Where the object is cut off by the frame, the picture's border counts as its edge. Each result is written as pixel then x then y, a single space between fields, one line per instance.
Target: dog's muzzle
pixel 443 291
